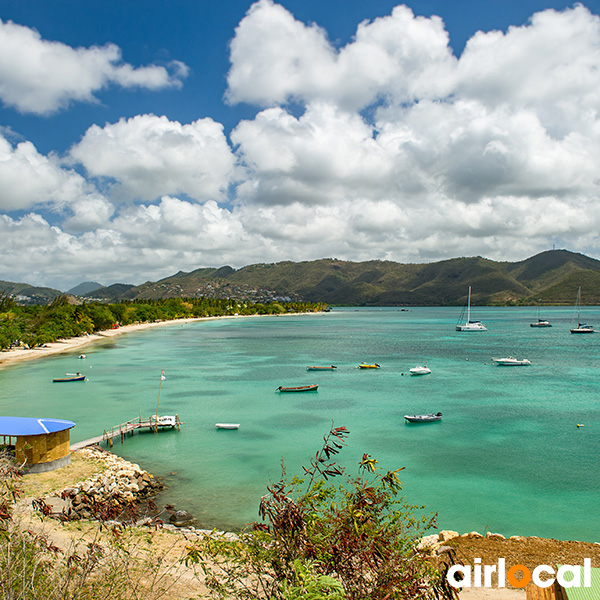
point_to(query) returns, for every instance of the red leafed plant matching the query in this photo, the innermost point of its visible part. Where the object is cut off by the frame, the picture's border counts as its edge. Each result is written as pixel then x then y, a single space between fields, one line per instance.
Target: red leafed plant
pixel 317 540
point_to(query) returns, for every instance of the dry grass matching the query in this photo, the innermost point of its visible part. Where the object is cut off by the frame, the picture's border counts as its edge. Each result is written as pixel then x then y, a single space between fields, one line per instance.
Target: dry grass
pixel 35 485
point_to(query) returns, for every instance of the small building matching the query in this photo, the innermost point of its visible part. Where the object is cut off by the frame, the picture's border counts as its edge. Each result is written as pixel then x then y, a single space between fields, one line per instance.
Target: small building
pixel 42 444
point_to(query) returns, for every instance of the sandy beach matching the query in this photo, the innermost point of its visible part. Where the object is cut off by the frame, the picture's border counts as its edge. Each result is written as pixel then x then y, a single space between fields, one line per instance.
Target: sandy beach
pixel 15 355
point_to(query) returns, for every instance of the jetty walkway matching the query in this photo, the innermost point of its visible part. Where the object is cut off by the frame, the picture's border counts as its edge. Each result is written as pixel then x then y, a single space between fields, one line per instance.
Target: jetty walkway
pixel 154 423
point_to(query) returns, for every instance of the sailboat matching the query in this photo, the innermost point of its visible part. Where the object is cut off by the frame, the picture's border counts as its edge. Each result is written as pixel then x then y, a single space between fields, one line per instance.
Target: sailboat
pixel 581 327
pixel 469 325
pixel 540 322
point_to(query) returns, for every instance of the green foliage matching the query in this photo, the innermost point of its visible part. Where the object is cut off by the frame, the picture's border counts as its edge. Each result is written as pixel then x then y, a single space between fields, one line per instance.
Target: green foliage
pixel 354 541
pixel 312 586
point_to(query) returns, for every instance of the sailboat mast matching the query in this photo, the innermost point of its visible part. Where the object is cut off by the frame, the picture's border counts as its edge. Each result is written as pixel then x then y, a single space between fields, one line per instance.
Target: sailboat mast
pixel 469 306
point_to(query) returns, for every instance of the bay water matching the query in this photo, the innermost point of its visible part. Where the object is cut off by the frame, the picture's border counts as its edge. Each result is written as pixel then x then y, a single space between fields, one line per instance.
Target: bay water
pixel 507 456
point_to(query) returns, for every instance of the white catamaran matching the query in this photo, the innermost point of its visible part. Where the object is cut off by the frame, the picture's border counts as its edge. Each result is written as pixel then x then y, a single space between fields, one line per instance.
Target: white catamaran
pixel 469 325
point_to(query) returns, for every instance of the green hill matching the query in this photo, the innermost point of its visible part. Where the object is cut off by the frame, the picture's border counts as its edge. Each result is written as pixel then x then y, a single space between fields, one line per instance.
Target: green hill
pixel 25 293
pixel 550 278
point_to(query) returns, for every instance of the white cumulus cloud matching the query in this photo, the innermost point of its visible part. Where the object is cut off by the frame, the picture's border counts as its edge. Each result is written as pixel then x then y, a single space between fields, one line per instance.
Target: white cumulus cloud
pixel 41 76
pixel 150 156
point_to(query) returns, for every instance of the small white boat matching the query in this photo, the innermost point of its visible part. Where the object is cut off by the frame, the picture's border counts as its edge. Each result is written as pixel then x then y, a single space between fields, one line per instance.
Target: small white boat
pixel 429 418
pixel 511 361
pixel 227 425
pixel 164 421
pixel 82 356
pixel 469 325
pixel 420 370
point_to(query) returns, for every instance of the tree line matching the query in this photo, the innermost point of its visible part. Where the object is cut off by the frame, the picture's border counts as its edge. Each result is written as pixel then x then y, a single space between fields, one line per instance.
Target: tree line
pixel 33 326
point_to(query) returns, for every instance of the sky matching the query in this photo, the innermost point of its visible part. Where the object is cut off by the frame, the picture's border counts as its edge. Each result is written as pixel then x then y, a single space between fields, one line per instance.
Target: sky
pixel 147 137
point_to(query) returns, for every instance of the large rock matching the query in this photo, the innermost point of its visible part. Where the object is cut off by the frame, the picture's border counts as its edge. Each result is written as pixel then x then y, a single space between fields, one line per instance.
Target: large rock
pixel 181 518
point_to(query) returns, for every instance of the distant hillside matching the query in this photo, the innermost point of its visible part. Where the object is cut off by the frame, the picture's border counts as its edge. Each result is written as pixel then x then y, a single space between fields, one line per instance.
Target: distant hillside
pixel 112 293
pixel 24 293
pixel 549 278
pixel 84 288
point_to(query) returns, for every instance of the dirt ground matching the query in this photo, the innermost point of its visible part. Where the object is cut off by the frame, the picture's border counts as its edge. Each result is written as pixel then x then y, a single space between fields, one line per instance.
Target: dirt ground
pixel 530 551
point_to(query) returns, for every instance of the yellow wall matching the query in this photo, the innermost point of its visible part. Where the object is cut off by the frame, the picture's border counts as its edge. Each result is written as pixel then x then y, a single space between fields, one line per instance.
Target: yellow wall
pixel 43 448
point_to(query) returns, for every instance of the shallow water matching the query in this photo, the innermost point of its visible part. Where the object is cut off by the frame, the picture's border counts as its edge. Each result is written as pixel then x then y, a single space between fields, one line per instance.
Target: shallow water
pixel 507 456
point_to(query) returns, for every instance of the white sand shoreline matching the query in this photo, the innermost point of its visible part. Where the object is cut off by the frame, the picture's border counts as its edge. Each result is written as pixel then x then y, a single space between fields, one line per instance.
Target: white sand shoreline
pixel 18 355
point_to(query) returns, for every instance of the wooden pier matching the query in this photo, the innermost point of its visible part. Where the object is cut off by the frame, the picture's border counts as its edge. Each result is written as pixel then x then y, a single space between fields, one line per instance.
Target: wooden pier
pixel 129 428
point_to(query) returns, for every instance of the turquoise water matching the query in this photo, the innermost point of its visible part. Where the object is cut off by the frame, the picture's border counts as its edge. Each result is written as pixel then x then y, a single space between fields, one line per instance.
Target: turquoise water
pixel 507 456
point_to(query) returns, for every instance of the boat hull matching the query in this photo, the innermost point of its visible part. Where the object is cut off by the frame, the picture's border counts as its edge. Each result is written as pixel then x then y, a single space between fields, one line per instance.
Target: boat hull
pixel 471 327
pixel 511 362
pixel 227 425
pixel 301 388
pixel 68 379
pixel 331 368
pixel 420 371
pixel 430 418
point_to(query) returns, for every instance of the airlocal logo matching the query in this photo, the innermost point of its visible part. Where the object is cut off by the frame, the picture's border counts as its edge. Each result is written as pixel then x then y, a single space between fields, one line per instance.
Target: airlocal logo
pixel 567 575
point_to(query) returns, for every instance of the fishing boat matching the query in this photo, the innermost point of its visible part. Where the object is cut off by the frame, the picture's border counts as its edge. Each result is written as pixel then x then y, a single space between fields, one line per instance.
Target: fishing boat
pixel 469 325
pixel 69 377
pixel 365 366
pixel 227 425
pixel 313 368
pixel 429 418
pixel 511 361
pixel 299 388
pixel 420 370
pixel 581 327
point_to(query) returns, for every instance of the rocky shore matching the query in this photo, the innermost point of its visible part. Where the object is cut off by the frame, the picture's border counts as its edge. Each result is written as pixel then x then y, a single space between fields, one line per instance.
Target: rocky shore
pixel 110 493
pixel 99 484
pixel 118 491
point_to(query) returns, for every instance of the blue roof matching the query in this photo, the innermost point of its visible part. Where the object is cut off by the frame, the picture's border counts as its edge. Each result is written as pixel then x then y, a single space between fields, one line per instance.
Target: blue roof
pixel 17 426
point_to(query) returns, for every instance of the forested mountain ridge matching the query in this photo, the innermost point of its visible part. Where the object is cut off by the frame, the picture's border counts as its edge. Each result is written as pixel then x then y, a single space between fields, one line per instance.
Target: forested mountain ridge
pixel 551 277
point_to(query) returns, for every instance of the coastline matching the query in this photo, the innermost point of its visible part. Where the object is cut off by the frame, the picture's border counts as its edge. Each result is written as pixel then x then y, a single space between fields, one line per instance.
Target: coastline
pixel 93 466
pixel 18 355
pixel 473 548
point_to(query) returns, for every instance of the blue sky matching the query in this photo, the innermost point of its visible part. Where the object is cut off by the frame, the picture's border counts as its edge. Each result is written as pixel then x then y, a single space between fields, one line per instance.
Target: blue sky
pixel 145 137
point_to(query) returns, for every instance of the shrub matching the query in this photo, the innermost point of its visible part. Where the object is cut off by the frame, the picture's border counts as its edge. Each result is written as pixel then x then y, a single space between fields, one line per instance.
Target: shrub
pixel 354 541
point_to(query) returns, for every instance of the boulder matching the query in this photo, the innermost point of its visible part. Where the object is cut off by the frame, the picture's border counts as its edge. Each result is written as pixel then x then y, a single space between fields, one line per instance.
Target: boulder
pixel 447 534
pixel 181 518
pixel 428 543
pixel 472 535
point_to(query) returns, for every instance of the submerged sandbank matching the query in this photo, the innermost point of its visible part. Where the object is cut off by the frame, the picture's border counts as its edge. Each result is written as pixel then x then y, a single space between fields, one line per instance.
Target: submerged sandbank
pixel 16 355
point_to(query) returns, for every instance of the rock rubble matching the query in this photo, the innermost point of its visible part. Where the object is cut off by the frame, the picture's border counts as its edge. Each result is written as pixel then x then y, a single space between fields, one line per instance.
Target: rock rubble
pixel 106 495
